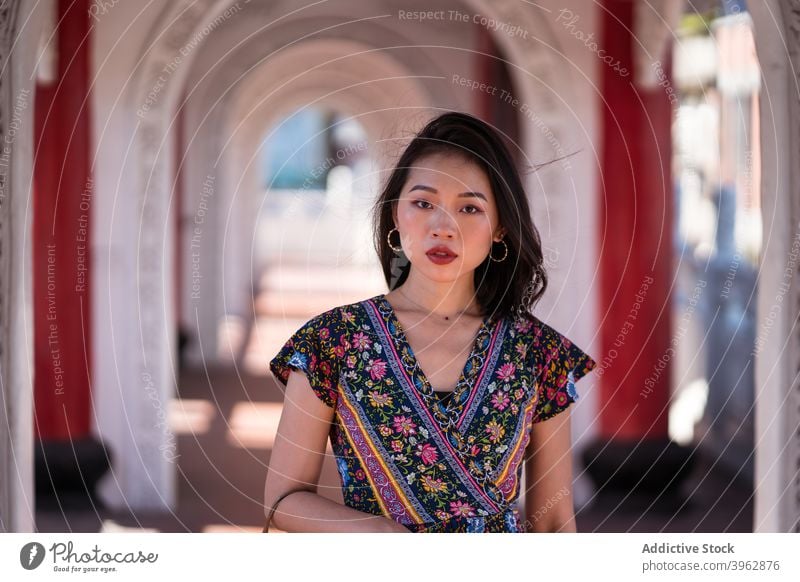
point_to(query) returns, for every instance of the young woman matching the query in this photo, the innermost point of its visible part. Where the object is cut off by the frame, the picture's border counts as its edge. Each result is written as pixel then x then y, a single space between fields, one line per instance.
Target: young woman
pixel 437 393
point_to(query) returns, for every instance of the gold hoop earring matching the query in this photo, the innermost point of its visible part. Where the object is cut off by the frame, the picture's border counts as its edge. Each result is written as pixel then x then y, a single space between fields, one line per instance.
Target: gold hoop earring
pixel 389 241
pixel 504 255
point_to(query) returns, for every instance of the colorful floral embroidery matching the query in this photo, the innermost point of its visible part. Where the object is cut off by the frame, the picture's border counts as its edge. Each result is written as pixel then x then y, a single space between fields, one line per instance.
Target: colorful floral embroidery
pixel 433 462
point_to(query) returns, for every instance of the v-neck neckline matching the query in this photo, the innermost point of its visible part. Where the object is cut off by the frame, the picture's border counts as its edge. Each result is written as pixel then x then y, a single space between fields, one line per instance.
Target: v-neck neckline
pixel 449 406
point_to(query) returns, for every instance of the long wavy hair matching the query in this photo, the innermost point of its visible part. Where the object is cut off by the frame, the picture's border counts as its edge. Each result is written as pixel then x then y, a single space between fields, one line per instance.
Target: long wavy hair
pixel 512 286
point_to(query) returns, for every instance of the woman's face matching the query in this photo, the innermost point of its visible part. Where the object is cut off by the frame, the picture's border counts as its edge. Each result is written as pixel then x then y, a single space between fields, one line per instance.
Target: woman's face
pixel 447 203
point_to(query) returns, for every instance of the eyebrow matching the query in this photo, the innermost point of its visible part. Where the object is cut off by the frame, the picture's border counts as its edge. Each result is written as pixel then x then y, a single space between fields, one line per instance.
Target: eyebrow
pixel 433 190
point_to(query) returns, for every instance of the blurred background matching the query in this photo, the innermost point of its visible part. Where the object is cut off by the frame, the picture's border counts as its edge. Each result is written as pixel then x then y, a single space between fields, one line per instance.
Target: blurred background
pixel 185 183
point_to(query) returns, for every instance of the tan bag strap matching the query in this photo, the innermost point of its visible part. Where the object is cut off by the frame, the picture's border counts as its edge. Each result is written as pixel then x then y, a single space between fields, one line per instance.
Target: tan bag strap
pixel 275 505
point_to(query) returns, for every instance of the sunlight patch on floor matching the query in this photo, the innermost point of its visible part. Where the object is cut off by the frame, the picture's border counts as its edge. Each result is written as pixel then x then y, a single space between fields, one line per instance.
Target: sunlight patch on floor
pixel 191 416
pixel 252 425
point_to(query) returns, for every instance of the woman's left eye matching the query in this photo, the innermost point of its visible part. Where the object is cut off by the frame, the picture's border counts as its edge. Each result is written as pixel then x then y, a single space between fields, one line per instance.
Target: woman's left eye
pixel 474 210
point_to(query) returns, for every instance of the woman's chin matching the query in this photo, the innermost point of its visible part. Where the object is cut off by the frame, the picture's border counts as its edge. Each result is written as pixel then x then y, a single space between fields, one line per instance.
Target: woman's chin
pixel 442 273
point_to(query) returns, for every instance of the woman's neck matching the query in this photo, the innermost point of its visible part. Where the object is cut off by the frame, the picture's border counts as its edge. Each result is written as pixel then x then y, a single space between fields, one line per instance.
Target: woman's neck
pixel 446 299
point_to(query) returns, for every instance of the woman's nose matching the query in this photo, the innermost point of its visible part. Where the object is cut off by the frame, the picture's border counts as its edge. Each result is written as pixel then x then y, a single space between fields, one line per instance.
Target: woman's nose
pixel 443 223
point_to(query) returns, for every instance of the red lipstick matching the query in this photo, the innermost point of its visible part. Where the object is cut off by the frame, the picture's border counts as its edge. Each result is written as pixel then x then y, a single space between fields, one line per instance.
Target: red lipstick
pixel 441 255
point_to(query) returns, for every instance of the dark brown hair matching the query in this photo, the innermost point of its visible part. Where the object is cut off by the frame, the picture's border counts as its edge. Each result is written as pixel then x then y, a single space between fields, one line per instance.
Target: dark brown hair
pixel 503 288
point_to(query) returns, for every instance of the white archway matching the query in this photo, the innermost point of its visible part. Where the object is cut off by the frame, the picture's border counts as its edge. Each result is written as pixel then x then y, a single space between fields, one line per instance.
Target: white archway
pixel 326 73
pixel 154 358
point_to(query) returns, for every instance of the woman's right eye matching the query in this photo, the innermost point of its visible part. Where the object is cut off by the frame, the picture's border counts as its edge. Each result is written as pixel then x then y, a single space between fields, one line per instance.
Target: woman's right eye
pixel 418 202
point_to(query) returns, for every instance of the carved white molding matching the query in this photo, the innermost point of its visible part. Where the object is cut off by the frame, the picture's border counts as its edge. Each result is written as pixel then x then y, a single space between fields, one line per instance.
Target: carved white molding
pixel 154 97
pixel 790 10
pixel 7 25
pixel 20 24
pixel 777 362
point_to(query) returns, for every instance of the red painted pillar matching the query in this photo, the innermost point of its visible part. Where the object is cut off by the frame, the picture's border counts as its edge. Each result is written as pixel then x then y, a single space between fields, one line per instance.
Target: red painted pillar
pixel 62 201
pixel 636 263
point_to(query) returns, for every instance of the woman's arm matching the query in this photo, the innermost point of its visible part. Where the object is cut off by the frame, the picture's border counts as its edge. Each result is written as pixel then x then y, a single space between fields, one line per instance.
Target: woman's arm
pixel 548 476
pixel 296 463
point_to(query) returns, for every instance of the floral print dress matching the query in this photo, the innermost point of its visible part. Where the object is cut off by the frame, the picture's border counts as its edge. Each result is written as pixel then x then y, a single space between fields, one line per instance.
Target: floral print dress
pixel 432 462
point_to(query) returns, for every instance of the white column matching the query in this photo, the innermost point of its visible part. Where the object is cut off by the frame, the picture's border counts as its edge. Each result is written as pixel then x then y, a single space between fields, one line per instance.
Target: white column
pixel 20 25
pixel 777 486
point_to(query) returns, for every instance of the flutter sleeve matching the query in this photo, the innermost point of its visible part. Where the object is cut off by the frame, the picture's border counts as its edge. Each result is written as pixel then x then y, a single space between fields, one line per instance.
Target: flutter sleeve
pixel 312 349
pixel 562 365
